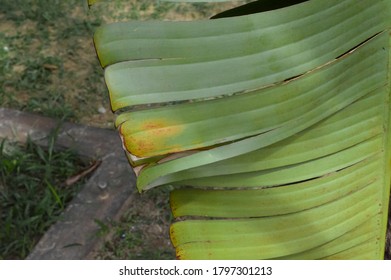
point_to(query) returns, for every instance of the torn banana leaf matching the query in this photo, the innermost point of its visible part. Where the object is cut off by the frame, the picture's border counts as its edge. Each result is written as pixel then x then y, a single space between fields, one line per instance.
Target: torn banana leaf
pixel 270 119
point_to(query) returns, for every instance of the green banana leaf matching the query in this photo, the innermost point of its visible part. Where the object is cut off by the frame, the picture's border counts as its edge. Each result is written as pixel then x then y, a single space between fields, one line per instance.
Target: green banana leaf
pixel 271 120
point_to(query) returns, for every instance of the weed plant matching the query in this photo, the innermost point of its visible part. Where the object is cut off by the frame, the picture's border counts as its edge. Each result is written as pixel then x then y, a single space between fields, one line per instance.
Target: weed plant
pixel 32 193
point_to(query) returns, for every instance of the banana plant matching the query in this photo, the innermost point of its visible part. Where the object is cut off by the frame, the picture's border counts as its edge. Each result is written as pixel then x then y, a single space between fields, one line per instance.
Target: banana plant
pixel 271 121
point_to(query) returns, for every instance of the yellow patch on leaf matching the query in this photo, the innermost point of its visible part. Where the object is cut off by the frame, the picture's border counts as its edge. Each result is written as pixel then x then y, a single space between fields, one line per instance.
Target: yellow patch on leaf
pixel 154 138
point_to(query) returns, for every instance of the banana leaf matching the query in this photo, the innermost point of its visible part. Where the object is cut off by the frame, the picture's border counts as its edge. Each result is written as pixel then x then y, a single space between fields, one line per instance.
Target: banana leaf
pixel 271 120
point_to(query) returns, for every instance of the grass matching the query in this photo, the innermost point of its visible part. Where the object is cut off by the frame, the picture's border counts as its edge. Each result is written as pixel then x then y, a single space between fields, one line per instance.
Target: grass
pixel 46 62
pixel 33 193
pixel 48 66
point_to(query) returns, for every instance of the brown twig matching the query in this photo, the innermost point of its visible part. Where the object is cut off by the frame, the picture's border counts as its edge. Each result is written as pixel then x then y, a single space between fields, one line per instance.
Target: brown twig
pixel 72 180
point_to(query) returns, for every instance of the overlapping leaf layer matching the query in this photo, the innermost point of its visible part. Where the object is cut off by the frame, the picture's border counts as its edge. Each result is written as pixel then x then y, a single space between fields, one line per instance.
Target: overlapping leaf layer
pixel 273 125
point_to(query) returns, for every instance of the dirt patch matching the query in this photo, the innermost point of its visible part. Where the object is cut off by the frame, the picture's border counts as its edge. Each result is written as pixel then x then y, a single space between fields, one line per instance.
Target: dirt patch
pixel 142 231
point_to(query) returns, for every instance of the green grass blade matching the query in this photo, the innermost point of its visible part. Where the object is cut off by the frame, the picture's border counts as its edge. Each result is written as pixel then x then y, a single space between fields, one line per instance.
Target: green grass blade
pixel 55 194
